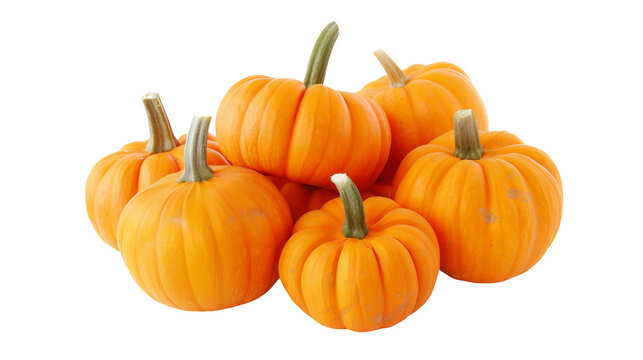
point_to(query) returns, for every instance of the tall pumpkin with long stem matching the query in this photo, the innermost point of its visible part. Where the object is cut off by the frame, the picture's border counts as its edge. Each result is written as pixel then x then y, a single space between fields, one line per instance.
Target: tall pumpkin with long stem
pixel 304 131
pixel 117 177
pixel 360 265
pixel 495 203
pixel 419 102
pixel 206 238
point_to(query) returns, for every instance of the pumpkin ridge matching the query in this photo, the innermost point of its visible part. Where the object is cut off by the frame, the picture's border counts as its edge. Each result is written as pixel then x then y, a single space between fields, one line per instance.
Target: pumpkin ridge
pixel 292 127
pixel 187 196
pixel 553 226
pixel 494 191
pixel 136 271
pixel 135 244
pixel 222 196
pixel 119 163
pixel 157 234
pixel 534 219
pixel 485 202
pixel 242 117
pixel 337 252
pixel 269 100
pixel 213 219
pixel 381 280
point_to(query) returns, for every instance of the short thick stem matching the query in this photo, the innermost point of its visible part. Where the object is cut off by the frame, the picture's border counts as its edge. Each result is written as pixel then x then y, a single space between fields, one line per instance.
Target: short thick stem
pixel 355 222
pixel 396 76
pixel 196 156
pixel 467 138
pixel 318 62
pixel 161 136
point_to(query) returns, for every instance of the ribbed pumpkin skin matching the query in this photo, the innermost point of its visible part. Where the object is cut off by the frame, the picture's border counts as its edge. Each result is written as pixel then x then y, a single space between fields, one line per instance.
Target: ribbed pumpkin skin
pixel 423 109
pixel 207 245
pixel 280 128
pixel 366 284
pixel 302 198
pixel 117 177
pixel 495 217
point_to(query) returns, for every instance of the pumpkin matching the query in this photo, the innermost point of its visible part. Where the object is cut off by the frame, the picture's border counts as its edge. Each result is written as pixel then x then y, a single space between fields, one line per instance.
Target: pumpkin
pixel 206 238
pixel 304 132
pixel 117 177
pixel 302 198
pixel 419 103
pixel 381 188
pixel 369 273
pixel 495 203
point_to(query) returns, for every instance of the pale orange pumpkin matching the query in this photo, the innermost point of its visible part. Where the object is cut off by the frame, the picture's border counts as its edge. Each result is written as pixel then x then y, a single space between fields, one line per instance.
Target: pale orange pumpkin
pixel 360 265
pixel 206 238
pixel 117 177
pixel 495 203
pixel 304 132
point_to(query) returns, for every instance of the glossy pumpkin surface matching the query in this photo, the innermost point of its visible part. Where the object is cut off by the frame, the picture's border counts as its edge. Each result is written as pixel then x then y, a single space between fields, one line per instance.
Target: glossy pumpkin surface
pixel 366 282
pixel 494 216
pixel 304 131
pixel 420 102
pixel 205 242
pixel 117 177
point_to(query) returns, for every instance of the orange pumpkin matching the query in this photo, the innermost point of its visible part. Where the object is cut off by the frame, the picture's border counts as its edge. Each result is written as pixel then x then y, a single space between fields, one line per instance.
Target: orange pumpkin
pixel 117 177
pixel 381 188
pixel 207 238
pixel 419 103
pixel 304 132
pixel 494 202
pixel 302 198
pixel 369 273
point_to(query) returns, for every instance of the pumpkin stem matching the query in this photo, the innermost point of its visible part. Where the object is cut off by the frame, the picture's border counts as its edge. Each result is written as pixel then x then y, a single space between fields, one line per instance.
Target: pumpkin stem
pixel 395 74
pixel 196 155
pixel 161 136
pixel 318 62
pixel 467 139
pixel 355 223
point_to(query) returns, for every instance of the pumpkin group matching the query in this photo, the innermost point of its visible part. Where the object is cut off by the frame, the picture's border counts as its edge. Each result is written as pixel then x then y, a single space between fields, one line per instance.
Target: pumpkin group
pixel 119 176
pixel 385 187
pixel 494 202
pixel 419 103
pixel 360 266
pixel 207 238
pixel 304 131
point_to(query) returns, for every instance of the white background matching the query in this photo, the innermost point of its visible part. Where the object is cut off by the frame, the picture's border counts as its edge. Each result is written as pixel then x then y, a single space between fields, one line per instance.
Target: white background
pixel 564 76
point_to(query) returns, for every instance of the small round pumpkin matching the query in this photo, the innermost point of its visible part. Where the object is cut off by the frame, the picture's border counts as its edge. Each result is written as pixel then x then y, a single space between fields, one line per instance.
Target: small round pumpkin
pixel 207 238
pixel 495 203
pixel 304 132
pixel 419 103
pixel 302 198
pixel 369 273
pixel 117 177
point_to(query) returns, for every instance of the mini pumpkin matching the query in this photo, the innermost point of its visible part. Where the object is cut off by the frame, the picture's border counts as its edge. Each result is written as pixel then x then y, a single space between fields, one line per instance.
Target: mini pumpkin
pixel 495 203
pixel 117 177
pixel 304 132
pixel 302 198
pixel 369 273
pixel 419 103
pixel 207 238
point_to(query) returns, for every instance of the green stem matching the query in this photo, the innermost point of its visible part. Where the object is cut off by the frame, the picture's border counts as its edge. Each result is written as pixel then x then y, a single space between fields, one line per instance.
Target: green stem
pixel 467 139
pixel 196 156
pixel 395 74
pixel 161 136
pixel 318 62
pixel 355 222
